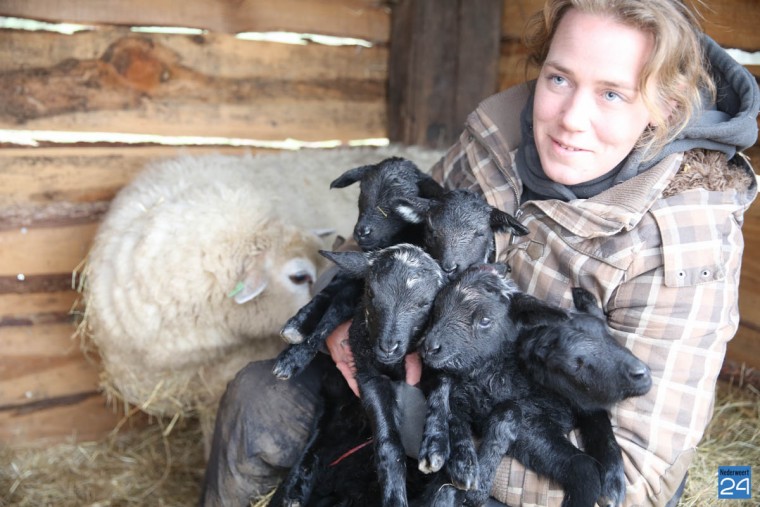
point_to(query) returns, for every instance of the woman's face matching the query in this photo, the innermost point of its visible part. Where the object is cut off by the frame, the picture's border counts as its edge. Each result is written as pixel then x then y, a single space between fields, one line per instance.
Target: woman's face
pixel 588 112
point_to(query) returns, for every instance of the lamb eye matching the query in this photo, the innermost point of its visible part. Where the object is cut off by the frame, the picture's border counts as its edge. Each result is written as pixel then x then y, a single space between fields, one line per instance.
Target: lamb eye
pixel 300 278
pixel 485 322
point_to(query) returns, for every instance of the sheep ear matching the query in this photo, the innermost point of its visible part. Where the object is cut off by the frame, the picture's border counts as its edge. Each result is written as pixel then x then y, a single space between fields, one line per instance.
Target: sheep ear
pixel 412 209
pixel 429 187
pixel 249 287
pixel 503 222
pixel 351 176
pixel 323 233
pixel 355 264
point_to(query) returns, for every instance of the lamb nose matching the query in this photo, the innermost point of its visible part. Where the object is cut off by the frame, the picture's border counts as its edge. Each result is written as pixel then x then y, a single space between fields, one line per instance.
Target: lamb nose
pixel 450 267
pixel 432 349
pixel 363 232
pixel 640 373
pixel 390 349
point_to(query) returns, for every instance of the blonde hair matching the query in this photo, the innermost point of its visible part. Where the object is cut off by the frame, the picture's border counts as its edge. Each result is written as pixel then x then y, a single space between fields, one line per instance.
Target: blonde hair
pixel 677 66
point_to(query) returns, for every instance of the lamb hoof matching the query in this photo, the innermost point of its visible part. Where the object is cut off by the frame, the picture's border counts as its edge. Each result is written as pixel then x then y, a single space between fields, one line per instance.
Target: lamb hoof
pixel 447 496
pixel 464 474
pixel 431 464
pixel 434 451
pixel 613 487
pixel 291 335
pixel 463 467
pixel 467 483
pixel 281 371
pixel 292 361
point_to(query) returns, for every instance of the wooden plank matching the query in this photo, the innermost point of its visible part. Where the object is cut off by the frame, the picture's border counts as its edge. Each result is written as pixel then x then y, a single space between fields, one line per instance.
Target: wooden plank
pixel 737 373
pixel 513 68
pixel 363 19
pixel 78 418
pixel 442 63
pixel 515 15
pixel 33 284
pixel 44 250
pixel 46 187
pixel 44 341
pixel 27 309
pixel 732 23
pixel 477 58
pixel 210 85
pixel 42 361
pixel 216 55
pixel 419 112
pixel 744 348
pixel 84 174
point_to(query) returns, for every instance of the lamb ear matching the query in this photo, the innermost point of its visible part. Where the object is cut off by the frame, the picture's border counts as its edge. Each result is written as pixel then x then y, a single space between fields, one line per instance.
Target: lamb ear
pixel 501 269
pixel 354 264
pixel 351 176
pixel 585 302
pixel 429 187
pixel 503 222
pixel 412 209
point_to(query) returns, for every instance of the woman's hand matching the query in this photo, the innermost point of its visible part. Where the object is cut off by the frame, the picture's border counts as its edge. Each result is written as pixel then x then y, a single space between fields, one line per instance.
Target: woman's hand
pixel 340 351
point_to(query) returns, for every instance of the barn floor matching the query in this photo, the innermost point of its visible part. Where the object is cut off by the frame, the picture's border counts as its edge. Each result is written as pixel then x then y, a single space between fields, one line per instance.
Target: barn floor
pixel 131 467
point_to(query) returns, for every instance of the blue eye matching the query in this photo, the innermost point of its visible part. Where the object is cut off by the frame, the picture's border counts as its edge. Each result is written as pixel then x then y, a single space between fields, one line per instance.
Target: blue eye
pixel 557 80
pixel 611 97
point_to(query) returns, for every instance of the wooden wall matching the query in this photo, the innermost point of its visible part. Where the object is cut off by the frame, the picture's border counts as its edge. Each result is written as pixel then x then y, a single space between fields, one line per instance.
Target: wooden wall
pixel 113 80
pixel 110 79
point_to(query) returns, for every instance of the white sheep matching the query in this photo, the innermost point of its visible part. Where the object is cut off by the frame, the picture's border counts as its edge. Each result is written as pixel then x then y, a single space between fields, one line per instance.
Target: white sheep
pixel 200 261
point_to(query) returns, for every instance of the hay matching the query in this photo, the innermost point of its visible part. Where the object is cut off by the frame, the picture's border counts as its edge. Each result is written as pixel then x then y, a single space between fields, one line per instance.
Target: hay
pixel 163 464
pixel 147 467
pixel 731 439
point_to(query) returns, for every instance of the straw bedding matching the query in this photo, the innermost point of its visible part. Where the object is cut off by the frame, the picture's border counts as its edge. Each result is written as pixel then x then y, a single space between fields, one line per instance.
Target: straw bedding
pixel 163 465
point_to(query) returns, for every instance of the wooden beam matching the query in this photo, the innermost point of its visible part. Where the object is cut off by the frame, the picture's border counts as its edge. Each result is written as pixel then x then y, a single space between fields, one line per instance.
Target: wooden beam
pixel 443 60
pixel 173 85
pixel 363 19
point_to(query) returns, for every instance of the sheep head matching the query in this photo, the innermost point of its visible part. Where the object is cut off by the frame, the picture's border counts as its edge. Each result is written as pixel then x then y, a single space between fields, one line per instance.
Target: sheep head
pixel 459 227
pixel 382 185
pixel 400 284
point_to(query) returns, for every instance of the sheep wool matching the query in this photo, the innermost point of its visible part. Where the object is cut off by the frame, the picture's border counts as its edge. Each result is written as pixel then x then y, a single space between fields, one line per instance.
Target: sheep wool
pixel 199 262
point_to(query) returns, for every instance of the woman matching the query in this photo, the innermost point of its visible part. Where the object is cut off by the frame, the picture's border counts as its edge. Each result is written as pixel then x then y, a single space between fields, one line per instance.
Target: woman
pixel 623 159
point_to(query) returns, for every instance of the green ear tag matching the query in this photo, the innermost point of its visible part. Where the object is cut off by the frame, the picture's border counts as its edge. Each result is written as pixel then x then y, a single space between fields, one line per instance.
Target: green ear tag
pixel 238 288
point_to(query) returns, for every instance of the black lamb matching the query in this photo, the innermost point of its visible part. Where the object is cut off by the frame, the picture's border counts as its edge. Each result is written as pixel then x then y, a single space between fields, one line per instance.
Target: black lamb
pixel 488 341
pixel 400 284
pixel 459 228
pixel 378 226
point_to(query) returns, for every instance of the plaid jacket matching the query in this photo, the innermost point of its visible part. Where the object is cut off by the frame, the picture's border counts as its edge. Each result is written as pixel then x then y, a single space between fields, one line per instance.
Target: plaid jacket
pixel 665 269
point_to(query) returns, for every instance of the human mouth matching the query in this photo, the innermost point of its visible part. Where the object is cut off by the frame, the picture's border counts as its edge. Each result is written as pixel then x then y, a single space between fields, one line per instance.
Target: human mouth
pixel 567 147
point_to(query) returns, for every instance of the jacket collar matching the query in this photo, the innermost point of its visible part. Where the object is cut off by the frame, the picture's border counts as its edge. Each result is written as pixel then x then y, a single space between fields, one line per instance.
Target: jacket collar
pixel 496 125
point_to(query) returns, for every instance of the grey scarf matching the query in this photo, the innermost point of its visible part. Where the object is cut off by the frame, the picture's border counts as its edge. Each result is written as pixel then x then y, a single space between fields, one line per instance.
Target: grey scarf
pixel 727 125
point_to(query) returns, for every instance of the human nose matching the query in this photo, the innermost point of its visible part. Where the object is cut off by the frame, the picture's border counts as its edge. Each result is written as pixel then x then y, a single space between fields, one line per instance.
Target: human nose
pixel 576 113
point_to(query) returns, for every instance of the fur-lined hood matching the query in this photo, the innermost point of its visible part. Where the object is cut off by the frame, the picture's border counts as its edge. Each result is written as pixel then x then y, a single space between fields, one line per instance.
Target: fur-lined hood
pixel 710 170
